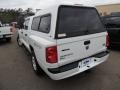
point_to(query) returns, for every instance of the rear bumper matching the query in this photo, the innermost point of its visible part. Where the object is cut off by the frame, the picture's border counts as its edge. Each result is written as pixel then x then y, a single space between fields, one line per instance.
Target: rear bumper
pixel 6 36
pixel 74 68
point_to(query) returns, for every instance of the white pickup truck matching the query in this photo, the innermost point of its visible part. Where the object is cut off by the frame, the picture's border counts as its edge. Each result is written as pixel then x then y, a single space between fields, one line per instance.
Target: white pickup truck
pixel 65 40
pixel 6 33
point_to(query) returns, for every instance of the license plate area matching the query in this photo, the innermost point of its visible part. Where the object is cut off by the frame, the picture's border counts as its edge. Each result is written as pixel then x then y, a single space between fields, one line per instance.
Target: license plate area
pixel 85 63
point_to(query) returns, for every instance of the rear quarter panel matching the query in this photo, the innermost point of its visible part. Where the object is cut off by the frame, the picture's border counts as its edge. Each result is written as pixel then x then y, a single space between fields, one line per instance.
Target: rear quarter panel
pixel 39 45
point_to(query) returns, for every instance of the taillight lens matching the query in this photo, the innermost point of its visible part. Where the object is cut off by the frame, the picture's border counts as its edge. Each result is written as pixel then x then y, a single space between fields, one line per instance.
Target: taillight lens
pixel 107 41
pixel 51 54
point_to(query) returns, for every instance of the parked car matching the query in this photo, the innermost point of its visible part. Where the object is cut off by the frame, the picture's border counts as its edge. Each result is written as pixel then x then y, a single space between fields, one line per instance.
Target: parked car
pixel 65 40
pixel 112 24
pixel 5 32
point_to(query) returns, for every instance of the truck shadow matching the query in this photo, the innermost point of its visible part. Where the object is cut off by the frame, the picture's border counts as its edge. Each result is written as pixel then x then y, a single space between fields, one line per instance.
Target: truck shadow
pixel 71 83
pixel 84 81
pixel 3 42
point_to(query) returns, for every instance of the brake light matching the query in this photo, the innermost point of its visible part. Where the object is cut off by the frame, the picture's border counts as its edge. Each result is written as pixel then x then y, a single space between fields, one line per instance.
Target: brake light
pixel 51 54
pixel 107 41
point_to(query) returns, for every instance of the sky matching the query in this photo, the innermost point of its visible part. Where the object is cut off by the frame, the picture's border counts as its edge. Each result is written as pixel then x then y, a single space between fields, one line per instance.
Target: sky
pixel 40 4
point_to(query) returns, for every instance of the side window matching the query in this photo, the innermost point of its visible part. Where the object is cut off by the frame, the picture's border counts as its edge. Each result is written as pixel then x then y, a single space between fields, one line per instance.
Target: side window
pixel 35 23
pixel 26 23
pixel 45 24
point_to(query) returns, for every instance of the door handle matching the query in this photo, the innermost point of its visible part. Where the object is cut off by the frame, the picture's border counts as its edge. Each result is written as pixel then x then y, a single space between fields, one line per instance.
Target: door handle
pixel 25 34
pixel 87 42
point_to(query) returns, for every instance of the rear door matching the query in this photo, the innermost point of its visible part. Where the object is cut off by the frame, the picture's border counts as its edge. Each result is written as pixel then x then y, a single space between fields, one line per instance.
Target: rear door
pixel 25 32
pixel 79 33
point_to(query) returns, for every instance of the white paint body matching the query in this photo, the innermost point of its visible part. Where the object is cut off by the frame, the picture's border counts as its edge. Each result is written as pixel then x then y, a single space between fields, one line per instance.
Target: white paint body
pixel 40 41
pixel 5 32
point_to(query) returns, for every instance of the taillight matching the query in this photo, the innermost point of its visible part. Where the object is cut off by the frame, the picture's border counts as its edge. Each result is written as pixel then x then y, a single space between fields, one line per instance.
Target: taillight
pixel 107 41
pixel 51 54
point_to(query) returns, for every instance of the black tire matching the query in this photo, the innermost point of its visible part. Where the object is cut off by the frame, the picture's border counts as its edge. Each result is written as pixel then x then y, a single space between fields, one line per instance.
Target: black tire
pixel 8 39
pixel 19 42
pixel 35 64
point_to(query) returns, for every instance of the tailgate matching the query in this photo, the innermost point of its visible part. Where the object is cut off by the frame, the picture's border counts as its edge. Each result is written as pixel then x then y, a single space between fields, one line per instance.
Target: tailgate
pixel 76 48
pixel 4 30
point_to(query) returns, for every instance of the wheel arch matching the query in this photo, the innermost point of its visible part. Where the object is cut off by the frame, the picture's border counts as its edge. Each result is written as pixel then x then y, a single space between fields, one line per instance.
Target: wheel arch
pixel 31 48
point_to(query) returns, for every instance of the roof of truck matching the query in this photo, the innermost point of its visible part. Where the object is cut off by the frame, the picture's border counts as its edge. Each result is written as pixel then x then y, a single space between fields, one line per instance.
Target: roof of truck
pixel 53 7
pixel 57 6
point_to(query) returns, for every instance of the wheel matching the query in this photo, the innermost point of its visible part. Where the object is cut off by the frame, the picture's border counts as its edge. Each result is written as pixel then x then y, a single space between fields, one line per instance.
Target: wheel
pixel 35 64
pixel 19 42
pixel 8 39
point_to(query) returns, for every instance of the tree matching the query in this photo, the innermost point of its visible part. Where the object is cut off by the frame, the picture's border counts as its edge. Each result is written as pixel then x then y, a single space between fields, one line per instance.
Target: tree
pixel 20 10
pixel 29 12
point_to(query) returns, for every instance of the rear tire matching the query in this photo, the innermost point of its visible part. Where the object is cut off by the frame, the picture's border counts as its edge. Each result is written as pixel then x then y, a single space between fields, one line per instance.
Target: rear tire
pixel 35 64
pixel 19 42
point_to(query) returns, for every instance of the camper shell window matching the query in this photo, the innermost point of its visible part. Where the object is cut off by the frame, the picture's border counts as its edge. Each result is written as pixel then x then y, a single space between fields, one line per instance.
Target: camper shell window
pixel 75 21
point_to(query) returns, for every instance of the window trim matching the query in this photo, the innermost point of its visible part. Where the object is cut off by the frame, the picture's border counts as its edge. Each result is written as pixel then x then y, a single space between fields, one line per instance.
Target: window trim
pixel 28 24
pixel 38 24
pixel 57 19
pixel 46 15
pixel 41 16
